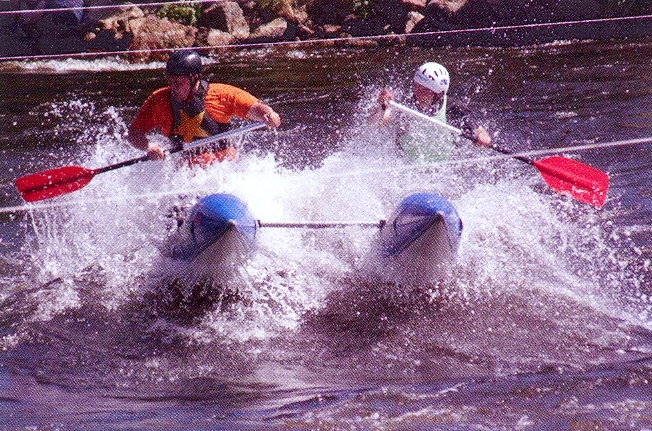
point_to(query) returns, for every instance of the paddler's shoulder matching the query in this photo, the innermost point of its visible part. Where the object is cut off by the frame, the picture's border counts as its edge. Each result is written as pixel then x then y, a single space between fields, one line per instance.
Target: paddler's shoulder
pixel 457 109
pixel 163 91
pixel 217 89
pixel 159 95
pixel 225 93
pixel 461 114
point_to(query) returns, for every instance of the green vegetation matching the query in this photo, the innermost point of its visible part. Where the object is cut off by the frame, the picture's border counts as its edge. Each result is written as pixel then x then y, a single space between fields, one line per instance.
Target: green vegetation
pixel 184 13
pixel 362 8
pixel 274 4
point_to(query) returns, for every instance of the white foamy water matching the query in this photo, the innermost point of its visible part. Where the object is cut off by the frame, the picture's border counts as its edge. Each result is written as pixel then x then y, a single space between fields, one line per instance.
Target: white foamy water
pixel 517 240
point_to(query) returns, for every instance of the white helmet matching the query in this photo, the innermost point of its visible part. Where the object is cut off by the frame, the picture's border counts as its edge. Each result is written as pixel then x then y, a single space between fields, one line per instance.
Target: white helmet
pixel 433 76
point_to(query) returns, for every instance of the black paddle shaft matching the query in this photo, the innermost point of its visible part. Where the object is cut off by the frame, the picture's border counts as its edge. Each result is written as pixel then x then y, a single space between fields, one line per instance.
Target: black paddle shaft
pixel 121 165
pixel 471 137
pixel 178 147
pixel 504 151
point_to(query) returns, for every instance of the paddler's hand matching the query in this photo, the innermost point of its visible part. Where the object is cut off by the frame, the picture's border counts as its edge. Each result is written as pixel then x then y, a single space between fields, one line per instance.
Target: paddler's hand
pixel 138 139
pixel 481 137
pixel 155 152
pixel 384 98
pixel 272 119
pixel 262 112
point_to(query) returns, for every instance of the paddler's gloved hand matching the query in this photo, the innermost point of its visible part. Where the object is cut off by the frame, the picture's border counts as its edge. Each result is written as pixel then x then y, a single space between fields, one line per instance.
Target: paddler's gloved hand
pixel 481 137
pixel 155 152
pixel 273 120
pixel 475 133
pixel 263 112
pixel 384 98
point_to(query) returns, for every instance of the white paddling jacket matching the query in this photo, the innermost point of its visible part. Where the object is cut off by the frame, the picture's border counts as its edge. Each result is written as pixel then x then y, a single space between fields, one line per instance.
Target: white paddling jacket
pixel 420 141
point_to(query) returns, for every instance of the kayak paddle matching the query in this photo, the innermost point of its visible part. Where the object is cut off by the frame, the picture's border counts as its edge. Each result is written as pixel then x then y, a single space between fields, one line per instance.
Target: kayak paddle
pixel 584 182
pixel 59 181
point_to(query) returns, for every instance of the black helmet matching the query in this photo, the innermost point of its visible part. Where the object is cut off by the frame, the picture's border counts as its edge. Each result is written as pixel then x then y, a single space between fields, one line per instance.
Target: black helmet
pixel 184 62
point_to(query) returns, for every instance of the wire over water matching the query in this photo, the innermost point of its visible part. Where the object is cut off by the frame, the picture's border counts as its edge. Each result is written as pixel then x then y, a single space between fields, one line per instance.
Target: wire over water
pixel 340 40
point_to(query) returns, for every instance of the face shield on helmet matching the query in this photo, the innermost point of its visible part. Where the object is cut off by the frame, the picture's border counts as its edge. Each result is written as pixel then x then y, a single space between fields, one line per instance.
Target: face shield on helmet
pixel 433 76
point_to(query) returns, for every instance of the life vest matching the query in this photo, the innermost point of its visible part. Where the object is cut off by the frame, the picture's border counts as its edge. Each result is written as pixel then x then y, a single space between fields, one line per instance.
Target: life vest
pixel 191 121
pixel 420 140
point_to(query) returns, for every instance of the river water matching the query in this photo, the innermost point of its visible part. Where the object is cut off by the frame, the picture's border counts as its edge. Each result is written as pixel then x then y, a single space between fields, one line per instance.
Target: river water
pixel 545 324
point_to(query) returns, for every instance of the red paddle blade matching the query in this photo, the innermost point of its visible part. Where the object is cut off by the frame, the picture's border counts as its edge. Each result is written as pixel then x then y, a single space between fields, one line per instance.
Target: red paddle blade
pixel 585 183
pixel 54 182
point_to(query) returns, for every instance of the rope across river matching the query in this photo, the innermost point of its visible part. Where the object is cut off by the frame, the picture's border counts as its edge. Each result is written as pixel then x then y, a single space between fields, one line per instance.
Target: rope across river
pixel 354 40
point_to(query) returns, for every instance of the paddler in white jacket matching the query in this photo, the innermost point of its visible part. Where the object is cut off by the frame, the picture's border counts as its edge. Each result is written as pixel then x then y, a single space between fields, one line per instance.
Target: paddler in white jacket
pixel 420 140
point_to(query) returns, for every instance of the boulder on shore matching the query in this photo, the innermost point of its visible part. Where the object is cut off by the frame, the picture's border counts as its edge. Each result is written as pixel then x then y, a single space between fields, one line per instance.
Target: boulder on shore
pixel 226 16
pixel 152 36
pixel 270 32
pixel 109 27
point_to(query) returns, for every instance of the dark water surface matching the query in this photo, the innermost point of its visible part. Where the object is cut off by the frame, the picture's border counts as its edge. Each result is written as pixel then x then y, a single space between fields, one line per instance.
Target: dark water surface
pixel 546 323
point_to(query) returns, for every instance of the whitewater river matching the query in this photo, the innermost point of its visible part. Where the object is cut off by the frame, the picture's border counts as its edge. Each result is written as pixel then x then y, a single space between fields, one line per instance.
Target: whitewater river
pixel 545 323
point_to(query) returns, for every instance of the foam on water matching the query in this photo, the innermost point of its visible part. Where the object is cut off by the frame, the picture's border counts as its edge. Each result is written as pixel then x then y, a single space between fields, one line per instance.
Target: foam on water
pixel 68 65
pixel 117 63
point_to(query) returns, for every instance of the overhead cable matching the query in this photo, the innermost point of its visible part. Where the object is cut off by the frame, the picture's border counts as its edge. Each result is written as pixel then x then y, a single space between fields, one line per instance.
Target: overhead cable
pixel 337 41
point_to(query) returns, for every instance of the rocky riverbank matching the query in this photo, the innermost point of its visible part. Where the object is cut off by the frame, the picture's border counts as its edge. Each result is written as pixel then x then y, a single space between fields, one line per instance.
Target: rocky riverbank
pixel 148 31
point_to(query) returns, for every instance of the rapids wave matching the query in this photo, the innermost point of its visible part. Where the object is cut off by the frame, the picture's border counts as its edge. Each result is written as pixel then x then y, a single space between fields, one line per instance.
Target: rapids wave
pixel 536 282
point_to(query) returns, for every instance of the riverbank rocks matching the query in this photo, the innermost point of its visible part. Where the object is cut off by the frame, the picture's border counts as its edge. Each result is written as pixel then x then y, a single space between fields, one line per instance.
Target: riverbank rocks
pixel 414 18
pixel 226 16
pixel 121 22
pixel 269 32
pixel 106 26
pixel 216 38
pixel 152 36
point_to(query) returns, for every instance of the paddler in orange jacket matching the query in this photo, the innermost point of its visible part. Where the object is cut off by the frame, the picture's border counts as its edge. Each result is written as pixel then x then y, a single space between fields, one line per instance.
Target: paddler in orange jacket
pixel 190 108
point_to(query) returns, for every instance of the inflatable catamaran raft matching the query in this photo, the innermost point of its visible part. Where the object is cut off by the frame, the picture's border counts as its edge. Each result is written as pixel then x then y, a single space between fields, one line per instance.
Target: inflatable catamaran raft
pixel 419 240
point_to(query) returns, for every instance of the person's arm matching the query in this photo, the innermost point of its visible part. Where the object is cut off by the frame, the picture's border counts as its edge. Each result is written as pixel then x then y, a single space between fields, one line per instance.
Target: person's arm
pixel 469 126
pixel 383 113
pixel 262 112
pixel 139 140
pixel 223 101
pixel 149 118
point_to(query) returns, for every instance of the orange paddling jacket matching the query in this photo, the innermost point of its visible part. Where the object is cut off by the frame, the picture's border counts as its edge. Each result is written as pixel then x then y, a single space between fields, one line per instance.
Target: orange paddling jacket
pixel 208 113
